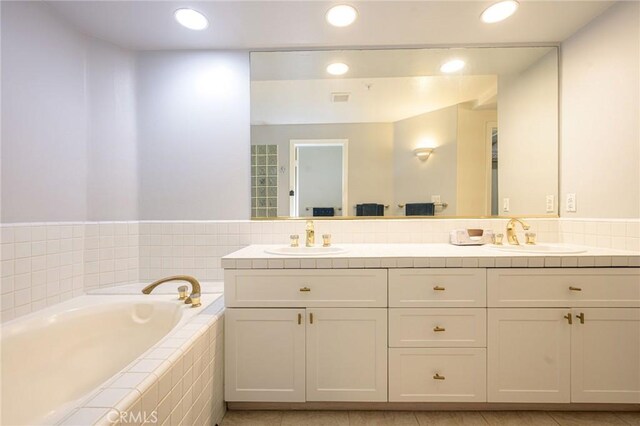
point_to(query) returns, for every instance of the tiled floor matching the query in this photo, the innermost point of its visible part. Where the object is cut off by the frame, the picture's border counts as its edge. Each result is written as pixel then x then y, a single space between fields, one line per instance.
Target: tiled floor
pixel 423 418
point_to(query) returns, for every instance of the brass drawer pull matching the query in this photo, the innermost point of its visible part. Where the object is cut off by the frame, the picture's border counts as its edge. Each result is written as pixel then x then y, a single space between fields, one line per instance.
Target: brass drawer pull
pixel 438 288
pixel 299 319
pixel 438 328
pixel 305 289
pixel 438 377
pixel 575 288
pixel 581 317
pixel 569 318
pixel 311 318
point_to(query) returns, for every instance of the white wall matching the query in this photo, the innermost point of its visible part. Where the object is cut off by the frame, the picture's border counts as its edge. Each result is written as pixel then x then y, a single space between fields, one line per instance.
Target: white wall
pixel 44 117
pixel 601 115
pixel 193 135
pixel 112 184
pixel 528 137
pixel 68 109
pixel 415 181
pixel 370 158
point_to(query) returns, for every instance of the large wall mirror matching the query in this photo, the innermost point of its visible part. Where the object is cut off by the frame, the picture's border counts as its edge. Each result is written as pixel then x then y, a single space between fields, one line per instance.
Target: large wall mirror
pixel 406 132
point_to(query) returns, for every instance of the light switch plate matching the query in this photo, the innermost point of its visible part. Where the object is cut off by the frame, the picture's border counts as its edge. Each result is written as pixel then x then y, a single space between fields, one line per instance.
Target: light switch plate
pixel 505 204
pixel 571 203
pixel 550 204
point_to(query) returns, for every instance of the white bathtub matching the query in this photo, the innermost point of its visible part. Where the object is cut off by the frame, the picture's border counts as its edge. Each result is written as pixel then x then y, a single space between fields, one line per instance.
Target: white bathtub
pixel 53 358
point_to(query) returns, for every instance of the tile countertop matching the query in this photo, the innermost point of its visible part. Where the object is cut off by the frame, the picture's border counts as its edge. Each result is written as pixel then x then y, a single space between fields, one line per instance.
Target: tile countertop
pixel 428 256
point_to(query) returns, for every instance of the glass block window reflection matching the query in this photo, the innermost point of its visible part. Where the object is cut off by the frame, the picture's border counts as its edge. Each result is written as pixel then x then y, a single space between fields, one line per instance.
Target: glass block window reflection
pixel 264 180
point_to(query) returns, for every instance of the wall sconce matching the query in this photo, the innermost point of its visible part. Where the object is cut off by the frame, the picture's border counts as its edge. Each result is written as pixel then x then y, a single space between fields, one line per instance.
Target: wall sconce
pixel 422 153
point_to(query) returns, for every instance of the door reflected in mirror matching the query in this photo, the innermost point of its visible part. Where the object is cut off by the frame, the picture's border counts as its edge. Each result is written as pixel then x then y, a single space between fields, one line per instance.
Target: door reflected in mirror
pixel 397 136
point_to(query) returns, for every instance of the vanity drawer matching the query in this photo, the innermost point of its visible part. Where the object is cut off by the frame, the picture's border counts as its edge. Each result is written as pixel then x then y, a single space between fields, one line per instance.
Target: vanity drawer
pixel 464 287
pixel 357 288
pixel 438 375
pixel 438 327
pixel 563 287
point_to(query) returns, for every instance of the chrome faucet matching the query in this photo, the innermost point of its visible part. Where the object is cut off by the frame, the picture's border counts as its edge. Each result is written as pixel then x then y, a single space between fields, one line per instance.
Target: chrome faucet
pixel 512 238
pixel 193 299
pixel 311 234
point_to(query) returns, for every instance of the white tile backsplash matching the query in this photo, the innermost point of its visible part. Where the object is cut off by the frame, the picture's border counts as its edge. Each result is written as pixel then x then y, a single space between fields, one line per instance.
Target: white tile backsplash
pixel 45 263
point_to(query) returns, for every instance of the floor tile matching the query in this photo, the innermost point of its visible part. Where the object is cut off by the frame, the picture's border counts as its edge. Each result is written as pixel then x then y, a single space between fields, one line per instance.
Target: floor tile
pixel 450 418
pixel 518 418
pixel 587 418
pixel 632 418
pixel 382 418
pixel 252 418
pixel 315 418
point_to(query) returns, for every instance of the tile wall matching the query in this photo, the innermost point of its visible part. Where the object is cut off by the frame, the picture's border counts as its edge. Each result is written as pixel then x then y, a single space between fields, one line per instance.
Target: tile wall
pixel 619 234
pixel 46 263
pixel 43 264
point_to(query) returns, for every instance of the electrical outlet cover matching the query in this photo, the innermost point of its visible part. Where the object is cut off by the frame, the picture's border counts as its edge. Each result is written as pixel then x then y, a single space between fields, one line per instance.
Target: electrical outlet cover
pixel 571 203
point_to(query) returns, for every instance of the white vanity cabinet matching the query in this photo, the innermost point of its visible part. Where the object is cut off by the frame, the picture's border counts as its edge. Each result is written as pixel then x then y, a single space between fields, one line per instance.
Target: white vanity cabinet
pixel 433 335
pixel 328 344
pixel 586 351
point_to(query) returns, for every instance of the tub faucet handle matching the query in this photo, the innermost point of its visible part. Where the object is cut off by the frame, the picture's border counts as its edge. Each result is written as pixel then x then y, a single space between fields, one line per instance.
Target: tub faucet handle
pixel 182 292
pixel 193 300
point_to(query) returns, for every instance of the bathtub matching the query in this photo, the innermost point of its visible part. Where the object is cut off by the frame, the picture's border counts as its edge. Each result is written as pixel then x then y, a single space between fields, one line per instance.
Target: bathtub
pixel 54 360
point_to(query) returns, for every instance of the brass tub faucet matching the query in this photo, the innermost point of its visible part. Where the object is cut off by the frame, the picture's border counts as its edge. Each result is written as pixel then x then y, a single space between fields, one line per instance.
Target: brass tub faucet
pixel 194 297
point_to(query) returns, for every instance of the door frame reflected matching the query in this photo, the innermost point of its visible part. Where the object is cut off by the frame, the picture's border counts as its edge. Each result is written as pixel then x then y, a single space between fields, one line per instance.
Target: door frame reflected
pixel 294 144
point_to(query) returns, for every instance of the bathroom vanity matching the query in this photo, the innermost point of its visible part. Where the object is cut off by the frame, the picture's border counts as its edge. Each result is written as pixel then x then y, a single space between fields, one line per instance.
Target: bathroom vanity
pixel 432 323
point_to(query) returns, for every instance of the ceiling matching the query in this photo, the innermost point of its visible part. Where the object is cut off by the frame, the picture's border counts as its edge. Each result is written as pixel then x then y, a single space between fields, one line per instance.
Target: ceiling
pixel 384 86
pixel 372 63
pixel 373 100
pixel 149 25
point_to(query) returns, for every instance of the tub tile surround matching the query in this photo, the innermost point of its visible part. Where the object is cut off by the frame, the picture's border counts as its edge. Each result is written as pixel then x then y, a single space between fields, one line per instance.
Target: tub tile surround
pixel 177 381
pixel 45 263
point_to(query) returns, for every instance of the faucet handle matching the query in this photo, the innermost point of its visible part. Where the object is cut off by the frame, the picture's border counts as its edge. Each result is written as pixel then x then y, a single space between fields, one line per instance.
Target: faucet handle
pixel 193 300
pixel 326 240
pixel 182 292
pixel 531 237
pixel 294 239
pixel 497 239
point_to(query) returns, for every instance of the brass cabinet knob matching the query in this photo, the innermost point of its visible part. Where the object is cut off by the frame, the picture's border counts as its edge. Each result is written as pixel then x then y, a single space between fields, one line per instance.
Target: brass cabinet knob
pixel 305 289
pixel 438 377
pixel 438 328
pixel 572 288
pixel 438 288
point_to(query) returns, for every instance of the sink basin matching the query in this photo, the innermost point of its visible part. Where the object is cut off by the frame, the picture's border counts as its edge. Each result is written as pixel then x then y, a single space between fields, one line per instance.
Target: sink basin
pixel 306 251
pixel 540 248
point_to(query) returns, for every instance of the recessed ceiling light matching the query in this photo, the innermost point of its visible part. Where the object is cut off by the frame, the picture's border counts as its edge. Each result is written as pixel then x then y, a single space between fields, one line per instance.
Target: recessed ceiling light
pixel 499 11
pixel 191 19
pixel 452 66
pixel 337 68
pixel 342 15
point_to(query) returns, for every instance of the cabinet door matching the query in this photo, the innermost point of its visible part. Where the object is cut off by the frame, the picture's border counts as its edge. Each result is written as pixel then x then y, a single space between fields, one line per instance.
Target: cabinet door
pixel 346 354
pixel 605 355
pixel 528 355
pixel 265 355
